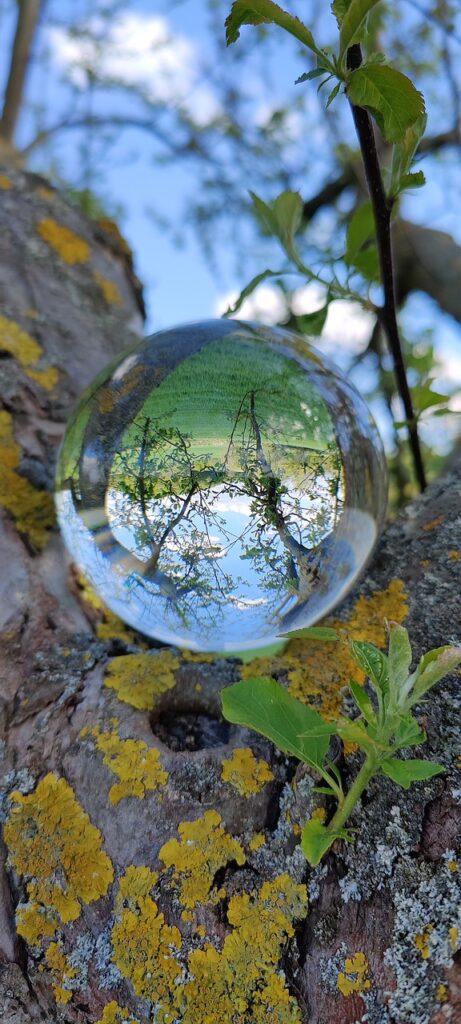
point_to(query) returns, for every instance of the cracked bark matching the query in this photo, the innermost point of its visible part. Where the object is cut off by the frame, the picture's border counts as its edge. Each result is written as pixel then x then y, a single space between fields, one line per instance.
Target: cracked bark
pixel 52 665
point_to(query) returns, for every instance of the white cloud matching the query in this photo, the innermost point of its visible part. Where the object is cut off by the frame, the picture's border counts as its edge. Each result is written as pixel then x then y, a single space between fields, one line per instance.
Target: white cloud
pixel 137 50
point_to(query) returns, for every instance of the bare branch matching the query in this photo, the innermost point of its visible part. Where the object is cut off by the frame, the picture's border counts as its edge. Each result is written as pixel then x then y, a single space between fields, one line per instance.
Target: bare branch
pixel 388 313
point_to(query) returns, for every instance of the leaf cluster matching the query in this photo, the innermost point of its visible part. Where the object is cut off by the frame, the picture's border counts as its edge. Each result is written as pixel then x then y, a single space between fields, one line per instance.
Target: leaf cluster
pixel 385 723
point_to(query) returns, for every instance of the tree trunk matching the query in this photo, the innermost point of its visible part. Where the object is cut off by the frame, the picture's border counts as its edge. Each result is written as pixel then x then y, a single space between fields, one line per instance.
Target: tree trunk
pixel 115 907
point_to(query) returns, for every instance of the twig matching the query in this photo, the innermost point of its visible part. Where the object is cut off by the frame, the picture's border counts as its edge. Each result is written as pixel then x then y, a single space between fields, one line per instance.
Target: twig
pixel 387 313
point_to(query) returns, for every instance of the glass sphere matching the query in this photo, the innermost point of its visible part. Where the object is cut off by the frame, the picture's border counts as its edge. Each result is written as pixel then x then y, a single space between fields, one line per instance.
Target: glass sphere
pixel 220 484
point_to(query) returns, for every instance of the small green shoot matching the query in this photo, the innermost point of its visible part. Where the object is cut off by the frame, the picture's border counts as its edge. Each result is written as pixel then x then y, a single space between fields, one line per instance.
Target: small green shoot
pixel 383 727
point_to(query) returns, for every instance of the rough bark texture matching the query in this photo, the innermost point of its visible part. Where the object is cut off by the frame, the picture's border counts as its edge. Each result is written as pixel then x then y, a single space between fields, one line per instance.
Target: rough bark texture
pixel 123 912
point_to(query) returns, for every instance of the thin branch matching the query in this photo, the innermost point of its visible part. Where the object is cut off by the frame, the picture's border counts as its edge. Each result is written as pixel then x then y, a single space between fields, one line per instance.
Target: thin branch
pixel 104 121
pixel 449 30
pixel 28 17
pixel 382 209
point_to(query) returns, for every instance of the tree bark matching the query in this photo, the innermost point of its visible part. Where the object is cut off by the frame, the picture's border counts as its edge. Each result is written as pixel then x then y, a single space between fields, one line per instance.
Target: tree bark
pixel 28 17
pixel 383 929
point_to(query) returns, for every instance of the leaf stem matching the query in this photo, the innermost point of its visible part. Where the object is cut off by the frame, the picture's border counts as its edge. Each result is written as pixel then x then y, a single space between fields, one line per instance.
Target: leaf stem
pixel 382 209
pixel 366 772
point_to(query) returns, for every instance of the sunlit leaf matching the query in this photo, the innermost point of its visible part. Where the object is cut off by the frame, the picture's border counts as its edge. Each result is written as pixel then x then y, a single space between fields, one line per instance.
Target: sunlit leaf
pixel 317 838
pixel 352 21
pixel 373 662
pixel 399 658
pixel 389 96
pixel 407 772
pixel 267 707
pixel 363 701
pixel 259 12
pixel 432 667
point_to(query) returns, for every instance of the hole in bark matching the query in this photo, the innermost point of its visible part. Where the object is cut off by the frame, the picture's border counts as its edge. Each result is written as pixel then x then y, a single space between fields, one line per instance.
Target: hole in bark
pixel 189 730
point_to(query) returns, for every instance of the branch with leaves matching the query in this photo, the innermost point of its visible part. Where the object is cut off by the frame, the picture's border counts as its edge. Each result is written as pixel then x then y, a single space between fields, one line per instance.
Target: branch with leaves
pixel 375 90
pixel 384 727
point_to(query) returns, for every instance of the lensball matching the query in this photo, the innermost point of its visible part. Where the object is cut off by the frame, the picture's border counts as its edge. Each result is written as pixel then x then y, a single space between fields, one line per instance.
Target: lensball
pixel 221 484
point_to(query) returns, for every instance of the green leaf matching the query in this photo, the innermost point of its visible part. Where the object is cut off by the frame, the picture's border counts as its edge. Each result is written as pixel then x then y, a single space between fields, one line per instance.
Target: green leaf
pixel 313 633
pixel 352 22
pixel 367 262
pixel 414 180
pixel 356 732
pixel 373 662
pixel 389 96
pixel 363 701
pixel 267 707
pixel 259 12
pixel 339 8
pixel 404 152
pixel 407 772
pixel 408 732
pixel 264 213
pixel 288 212
pixel 251 287
pixel 282 217
pixel 359 253
pixel 309 75
pixel 333 94
pixel 424 398
pixel 316 839
pixel 312 323
pixel 432 667
pixel 399 659
pixel 361 229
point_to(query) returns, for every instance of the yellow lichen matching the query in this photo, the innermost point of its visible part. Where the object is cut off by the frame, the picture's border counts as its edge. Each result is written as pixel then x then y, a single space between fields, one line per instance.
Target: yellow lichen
pixel 354 977
pixel 23 347
pixel 138 679
pixel 257 841
pixel 115 1014
pixel 54 846
pixel 62 972
pixel 454 555
pixel 422 941
pixel 316 671
pixel 44 192
pixel 109 290
pixel 442 993
pixel 453 938
pixel 69 246
pixel 136 765
pixel 15 340
pixel 452 866
pixel 32 510
pixel 46 378
pixel 203 848
pixel 433 524
pixel 5 182
pixel 246 774
pixel 143 944
pixel 198 656
pixel 235 984
pixel 319 814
